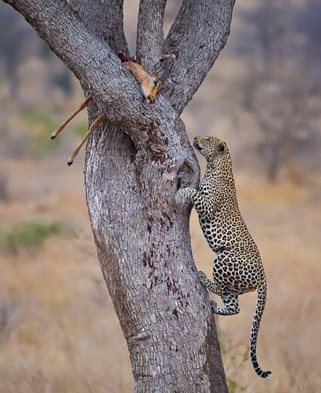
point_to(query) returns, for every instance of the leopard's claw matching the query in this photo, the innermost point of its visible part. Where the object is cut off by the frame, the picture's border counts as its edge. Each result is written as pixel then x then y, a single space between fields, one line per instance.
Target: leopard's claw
pixel 202 276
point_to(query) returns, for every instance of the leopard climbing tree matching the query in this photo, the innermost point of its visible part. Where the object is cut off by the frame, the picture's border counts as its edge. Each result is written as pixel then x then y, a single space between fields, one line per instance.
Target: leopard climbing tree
pixel 134 163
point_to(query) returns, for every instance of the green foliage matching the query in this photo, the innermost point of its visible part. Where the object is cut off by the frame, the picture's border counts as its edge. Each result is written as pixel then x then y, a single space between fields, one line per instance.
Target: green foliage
pixel 63 80
pixel 234 387
pixel 44 51
pixel 41 124
pixel 80 129
pixel 235 356
pixel 30 234
pixel 4 130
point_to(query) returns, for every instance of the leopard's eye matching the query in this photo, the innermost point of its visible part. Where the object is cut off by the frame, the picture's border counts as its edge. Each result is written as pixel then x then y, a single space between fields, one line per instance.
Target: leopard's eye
pixel 155 83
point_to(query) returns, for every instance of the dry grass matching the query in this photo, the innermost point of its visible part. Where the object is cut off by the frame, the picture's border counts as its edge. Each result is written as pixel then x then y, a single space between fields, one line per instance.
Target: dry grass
pixel 286 223
pixel 61 333
pixel 58 328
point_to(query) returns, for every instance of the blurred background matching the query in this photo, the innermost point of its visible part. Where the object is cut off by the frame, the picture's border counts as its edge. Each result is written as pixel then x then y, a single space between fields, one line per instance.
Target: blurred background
pixel 58 328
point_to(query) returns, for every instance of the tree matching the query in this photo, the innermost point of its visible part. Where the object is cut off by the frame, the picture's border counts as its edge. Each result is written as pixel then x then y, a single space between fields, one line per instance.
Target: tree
pixel 285 110
pixel 283 105
pixel 18 42
pixel 15 41
pixel 134 165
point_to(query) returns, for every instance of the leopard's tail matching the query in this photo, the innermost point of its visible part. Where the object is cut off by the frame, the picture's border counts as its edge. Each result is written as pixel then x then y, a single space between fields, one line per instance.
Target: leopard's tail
pixel 260 303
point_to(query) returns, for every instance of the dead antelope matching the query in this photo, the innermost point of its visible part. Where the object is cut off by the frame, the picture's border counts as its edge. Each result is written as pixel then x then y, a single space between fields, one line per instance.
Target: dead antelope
pixel 150 86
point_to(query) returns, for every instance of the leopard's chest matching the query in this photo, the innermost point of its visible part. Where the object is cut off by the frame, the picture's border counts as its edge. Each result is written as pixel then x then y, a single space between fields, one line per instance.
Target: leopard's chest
pixel 225 229
pixel 215 232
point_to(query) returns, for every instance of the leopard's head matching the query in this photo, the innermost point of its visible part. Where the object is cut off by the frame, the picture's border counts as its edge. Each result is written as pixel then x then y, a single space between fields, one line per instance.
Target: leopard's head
pixel 215 151
pixel 211 147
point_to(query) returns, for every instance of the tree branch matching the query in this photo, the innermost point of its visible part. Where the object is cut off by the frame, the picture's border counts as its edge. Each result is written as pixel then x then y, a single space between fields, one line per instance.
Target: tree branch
pixel 150 35
pixel 91 60
pixel 197 36
pixel 102 75
pixel 104 19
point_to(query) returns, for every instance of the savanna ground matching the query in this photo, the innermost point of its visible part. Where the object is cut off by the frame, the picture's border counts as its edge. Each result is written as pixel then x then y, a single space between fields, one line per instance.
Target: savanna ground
pixel 58 328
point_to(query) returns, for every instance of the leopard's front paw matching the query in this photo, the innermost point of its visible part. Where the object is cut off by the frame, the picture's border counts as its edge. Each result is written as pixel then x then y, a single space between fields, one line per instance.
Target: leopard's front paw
pixel 213 305
pixel 181 196
pixel 202 277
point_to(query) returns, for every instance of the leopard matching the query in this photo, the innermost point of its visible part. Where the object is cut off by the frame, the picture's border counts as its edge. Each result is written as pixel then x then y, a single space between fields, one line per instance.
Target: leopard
pixel 238 266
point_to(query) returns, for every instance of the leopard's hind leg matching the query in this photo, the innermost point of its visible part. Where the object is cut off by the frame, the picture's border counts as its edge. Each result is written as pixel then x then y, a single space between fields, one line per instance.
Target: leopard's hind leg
pixel 230 300
pixel 231 305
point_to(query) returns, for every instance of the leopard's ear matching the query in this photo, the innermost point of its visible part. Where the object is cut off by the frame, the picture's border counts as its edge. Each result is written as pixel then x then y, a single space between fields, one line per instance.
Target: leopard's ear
pixel 221 147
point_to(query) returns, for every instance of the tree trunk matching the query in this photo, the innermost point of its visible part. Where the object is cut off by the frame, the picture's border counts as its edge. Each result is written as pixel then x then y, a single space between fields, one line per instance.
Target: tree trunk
pixel 135 163
pixel 144 248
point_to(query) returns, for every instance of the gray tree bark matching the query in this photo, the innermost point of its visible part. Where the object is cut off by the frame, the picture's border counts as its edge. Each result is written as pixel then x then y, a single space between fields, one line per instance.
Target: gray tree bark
pixel 134 165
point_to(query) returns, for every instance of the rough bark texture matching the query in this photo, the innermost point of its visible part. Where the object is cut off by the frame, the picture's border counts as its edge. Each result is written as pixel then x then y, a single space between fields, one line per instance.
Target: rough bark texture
pixel 197 37
pixel 104 19
pixel 134 165
pixel 150 35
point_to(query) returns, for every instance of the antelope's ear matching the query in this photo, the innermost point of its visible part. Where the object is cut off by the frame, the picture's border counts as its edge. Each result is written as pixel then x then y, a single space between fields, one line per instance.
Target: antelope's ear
pixel 221 147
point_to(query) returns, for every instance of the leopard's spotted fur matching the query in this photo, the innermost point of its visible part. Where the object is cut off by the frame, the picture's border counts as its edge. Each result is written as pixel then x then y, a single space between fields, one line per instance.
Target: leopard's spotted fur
pixel 238 267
